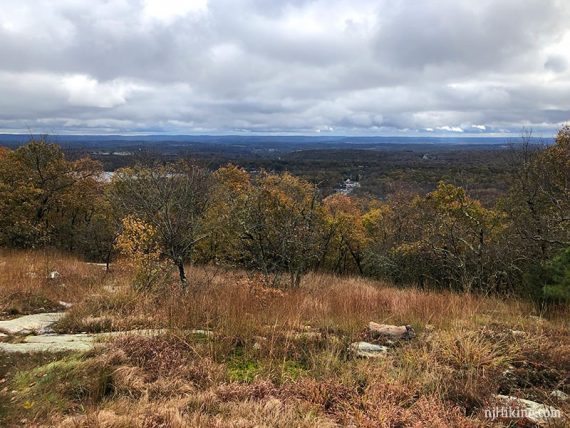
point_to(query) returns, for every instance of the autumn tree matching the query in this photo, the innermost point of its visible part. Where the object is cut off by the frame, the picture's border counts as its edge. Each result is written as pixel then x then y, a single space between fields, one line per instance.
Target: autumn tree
pixel 461 235
pixel 445 239
pixel 139 243
pixel 96 236
pixel 538 207
pixel 282 226
pixel 393 228
pixel 172 199
pixel 345 233
pixel 229 192
pixel 44 198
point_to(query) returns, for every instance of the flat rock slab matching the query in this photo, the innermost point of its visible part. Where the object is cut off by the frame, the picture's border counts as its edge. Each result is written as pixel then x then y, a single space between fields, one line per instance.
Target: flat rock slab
pixel 36 323
pixel 78 342
pixel 368 350
pixel 152 332
pixel 51 343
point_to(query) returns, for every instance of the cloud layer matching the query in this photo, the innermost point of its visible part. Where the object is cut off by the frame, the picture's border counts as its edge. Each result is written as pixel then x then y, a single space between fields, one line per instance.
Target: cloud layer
pixel 302 66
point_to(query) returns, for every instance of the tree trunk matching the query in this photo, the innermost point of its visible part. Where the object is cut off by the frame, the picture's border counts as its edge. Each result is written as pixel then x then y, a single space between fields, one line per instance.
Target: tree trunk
pixel 295 279
pixel 108 259
pixel 182 274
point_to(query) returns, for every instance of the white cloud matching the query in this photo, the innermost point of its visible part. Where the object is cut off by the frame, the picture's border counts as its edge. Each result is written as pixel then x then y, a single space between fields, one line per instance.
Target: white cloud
pixel 87 92
pixel 353 67
pixel 169 10
pixel 450 128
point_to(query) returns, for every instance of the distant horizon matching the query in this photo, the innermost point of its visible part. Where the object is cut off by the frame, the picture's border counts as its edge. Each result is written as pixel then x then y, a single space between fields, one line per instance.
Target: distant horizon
pixel 542 135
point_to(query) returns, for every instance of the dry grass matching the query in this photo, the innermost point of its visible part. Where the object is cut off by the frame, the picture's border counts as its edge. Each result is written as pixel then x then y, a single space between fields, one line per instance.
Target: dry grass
pixel 277 358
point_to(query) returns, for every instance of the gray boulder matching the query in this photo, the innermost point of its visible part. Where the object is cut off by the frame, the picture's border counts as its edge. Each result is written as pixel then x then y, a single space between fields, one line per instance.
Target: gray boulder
pixel 368 350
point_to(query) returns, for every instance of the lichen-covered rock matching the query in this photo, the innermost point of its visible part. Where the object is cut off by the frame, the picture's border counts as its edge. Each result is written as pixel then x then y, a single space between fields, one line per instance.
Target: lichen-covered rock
pixel 36 323
pixel 51 343
pixel 368 350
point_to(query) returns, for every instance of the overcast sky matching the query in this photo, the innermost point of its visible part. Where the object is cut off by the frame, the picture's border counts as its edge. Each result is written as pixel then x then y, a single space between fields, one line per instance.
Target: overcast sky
pixel 353 67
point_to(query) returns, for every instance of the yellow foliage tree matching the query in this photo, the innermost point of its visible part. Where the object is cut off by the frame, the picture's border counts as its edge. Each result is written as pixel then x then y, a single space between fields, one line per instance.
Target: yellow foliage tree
pixel 282 228
pixel 347 233
pixel 459 233
pixel 224 216
pixel 139 245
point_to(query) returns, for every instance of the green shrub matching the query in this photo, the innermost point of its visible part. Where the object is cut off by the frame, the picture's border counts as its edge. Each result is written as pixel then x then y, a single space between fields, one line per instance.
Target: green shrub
pixel 550 282
pixel 558 278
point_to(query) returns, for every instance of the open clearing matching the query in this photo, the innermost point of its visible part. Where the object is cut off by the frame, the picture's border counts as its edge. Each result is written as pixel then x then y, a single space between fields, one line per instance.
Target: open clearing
pixel 233 352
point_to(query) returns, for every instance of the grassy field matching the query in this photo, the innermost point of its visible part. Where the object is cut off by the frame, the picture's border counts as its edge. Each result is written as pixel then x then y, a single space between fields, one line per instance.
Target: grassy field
pixel 268 357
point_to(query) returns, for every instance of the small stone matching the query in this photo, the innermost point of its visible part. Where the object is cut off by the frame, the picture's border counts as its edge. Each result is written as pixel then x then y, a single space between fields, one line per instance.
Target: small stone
pixel 309 335
pixel 260 341
pixel 509 370
pixel 559 395
pixel 65 304
pixel 368 350
pixel 54 275
pixel 518 333
pixel 200 332
pixel 303 335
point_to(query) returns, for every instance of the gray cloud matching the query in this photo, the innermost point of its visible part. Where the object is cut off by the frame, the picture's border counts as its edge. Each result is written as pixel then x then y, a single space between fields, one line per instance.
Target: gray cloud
pixel 304 66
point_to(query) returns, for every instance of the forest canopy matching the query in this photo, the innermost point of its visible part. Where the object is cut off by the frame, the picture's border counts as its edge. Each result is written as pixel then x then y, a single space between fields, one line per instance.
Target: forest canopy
pixel 176 213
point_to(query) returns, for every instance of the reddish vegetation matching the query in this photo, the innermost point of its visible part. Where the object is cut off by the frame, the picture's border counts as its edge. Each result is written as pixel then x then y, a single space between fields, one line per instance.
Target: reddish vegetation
pixel 275 358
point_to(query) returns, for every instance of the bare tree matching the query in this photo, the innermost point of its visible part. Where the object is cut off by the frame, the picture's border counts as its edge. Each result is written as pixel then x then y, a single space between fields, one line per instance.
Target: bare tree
pixel 539 197
pixel 171 198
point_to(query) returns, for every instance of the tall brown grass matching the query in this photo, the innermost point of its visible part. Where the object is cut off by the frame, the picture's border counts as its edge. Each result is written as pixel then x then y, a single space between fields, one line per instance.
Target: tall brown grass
pixel 277 357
